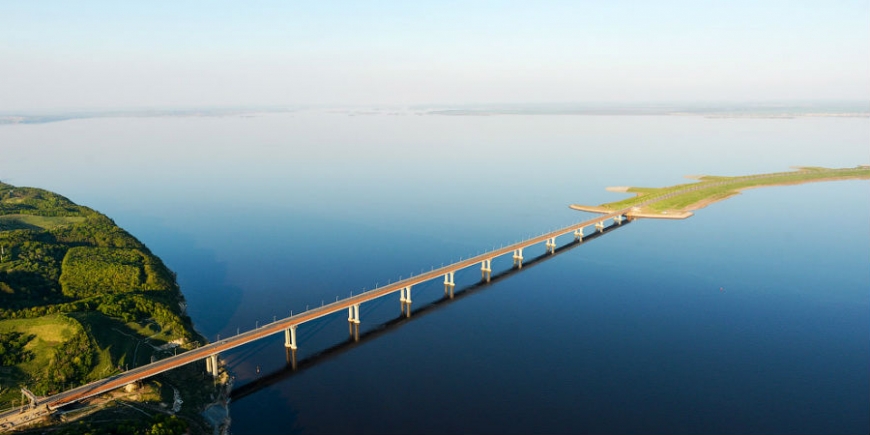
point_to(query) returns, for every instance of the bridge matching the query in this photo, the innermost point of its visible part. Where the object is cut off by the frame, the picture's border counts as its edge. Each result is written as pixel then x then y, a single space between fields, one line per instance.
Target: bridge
pixel 209 353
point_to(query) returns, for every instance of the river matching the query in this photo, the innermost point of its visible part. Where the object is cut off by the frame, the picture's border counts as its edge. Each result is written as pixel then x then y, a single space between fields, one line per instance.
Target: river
pixel 750 317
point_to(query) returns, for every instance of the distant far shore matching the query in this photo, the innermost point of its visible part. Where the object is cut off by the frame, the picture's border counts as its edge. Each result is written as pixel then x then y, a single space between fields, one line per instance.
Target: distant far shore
pixel 755 110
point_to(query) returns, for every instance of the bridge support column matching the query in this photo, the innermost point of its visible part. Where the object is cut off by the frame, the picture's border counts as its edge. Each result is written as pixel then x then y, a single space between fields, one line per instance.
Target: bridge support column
pixel 578 234
pixel 290 345
pixel 518 258
pixel 290 337
pixel 486 270
pixel 449 284
pixel 551 245
pixel 618 219
pixel 211 365
pixel 600 226
pixel 353 321
pixel 405 300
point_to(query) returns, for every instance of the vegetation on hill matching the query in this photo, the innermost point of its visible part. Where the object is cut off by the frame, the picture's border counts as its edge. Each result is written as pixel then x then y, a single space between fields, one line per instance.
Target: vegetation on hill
pixel 80 299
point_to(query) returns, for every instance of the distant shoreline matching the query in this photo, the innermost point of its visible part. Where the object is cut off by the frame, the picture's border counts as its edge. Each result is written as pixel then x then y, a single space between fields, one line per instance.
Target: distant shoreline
pixel 830 109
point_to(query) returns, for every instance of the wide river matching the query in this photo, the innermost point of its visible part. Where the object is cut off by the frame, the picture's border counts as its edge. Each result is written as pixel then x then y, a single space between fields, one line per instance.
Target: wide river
pixel 750 317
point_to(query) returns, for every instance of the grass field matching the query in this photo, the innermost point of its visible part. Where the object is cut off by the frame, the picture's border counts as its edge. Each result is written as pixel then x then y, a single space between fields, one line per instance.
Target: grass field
pixel 24 221
pixel 129 344
pixel 709 189
pixel 49 333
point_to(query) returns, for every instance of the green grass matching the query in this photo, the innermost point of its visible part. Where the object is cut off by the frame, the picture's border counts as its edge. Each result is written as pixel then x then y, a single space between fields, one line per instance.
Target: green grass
pixel 49 334
pixel 124 345
pixel 117 345
pixel 49 331
pixel 714 188
pixel 33 222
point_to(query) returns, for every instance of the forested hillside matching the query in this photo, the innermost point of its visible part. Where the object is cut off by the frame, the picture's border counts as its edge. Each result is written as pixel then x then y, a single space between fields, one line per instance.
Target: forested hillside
pixel 80 298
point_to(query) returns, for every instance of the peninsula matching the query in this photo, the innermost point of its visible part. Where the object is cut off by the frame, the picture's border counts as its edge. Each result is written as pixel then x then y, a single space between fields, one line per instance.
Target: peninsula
pixel 679 201
pixel 83 300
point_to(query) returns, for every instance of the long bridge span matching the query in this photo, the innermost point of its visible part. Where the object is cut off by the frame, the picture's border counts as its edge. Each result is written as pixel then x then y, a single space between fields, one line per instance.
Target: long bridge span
pixel 288 325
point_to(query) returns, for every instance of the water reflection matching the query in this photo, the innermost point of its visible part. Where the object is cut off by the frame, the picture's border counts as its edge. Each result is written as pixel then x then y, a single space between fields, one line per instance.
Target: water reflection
pixel 356 338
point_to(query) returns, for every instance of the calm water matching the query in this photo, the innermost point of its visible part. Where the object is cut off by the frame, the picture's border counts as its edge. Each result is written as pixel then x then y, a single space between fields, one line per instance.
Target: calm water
pixel 751 317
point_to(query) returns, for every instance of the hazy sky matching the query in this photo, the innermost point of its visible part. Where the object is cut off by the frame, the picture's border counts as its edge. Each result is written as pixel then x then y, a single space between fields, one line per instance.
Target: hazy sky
pixel 124 54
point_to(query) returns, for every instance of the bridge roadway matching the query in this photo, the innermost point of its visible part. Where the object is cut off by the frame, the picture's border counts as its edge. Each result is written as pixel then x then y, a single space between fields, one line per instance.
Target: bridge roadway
pixel 209 351
pixel 203 352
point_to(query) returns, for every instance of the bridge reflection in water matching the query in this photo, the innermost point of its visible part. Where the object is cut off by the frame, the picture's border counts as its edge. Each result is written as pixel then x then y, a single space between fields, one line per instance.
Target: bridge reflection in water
pixel 209 353
pixel 294 367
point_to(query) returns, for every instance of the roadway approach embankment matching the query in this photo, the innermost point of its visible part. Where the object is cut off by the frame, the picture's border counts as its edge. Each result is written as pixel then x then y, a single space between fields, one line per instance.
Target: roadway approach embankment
pixel 637 214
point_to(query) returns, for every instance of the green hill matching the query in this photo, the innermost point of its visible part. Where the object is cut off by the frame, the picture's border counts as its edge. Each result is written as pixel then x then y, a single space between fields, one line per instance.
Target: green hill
pixel 80 298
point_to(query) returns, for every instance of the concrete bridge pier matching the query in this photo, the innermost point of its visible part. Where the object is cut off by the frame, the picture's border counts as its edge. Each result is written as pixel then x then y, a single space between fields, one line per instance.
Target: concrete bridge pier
pixel 518 258
pixel 353 321
pixel 551 245
pixel 600 226
pixel 405 300
pixel 449 284
pixel 211 365
pixel 290 345
pixel 486 269
pixel 618 219
pixel 578 234
pixel 290 337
